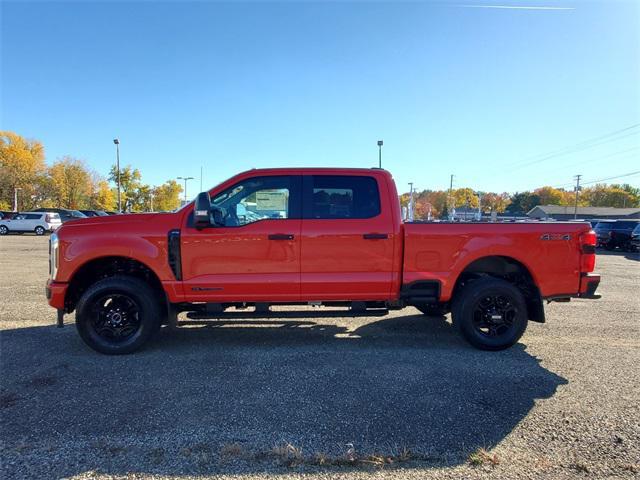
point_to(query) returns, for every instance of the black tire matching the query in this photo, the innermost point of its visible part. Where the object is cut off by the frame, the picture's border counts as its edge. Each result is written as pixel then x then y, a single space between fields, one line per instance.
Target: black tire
pixel 118 315
pixel 39 230
pixel 478 305
pixel 3 230
pixel 432 310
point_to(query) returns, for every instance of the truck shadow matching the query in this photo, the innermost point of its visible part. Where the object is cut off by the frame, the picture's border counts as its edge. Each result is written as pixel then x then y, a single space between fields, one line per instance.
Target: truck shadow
pixel 217 399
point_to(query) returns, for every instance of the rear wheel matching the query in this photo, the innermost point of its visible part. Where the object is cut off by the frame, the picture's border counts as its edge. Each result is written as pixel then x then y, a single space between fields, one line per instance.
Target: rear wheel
pixel 491 313
pixel 118 315
pixel 39 230
pixel 3 230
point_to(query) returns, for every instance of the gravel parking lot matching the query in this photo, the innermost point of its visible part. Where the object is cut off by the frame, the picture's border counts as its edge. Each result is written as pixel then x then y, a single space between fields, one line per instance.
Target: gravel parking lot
pixel 395 397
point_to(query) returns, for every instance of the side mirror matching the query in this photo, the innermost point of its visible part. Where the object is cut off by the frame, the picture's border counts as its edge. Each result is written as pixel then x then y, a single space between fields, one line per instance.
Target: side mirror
pixel 201 211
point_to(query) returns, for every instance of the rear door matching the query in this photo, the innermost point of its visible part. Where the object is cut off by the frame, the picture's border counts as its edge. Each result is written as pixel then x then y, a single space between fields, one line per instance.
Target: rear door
pixel 347 238
pixel 32 220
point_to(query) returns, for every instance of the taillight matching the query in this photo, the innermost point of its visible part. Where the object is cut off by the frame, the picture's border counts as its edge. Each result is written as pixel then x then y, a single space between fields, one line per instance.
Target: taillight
pixel 588 251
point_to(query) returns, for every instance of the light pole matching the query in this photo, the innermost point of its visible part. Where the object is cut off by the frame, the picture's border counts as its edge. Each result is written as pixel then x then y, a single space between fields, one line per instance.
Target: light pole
pixel 380 143
pixel 185 186
pixel 117 142
pixel 15 198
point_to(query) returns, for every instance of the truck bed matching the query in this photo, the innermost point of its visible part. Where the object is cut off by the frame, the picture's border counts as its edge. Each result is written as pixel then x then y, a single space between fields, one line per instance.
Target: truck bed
pixel 550 251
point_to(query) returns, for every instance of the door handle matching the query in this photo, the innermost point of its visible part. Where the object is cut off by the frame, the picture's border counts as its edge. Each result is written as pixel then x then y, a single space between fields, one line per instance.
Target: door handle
pixel 280 236
pixel 375 236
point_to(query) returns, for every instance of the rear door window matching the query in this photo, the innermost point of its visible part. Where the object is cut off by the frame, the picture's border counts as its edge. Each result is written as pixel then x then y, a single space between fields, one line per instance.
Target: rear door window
pixel 342 197
pixel 33 216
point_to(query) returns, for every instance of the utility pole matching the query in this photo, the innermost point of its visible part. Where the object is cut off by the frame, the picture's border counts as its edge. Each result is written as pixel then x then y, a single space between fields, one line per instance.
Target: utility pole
pixel 410 202
pixel 380 143
pixel 185 186
pixel 575 210
pixel 117 142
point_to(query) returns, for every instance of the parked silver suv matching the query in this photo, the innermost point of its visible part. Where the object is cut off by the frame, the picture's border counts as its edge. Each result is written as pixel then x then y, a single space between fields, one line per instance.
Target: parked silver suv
pixel 36 222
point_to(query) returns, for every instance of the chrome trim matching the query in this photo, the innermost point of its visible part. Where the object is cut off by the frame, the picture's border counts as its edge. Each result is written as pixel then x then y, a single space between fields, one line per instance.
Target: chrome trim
pixel 53 255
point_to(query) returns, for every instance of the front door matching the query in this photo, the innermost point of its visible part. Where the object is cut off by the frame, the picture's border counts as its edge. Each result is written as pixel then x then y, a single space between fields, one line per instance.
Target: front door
pixel 347 239
pixel 255 256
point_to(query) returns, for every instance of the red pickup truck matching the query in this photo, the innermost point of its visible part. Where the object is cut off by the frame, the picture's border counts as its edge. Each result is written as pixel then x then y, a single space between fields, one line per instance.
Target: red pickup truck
pixel 331 237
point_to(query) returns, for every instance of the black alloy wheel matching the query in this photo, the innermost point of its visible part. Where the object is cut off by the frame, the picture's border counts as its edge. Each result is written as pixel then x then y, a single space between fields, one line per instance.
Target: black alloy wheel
pixel 491 313
pixel 119 314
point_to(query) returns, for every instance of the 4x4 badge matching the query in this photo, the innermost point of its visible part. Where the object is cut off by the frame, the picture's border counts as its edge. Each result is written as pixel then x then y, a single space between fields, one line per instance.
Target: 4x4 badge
pixel 555 236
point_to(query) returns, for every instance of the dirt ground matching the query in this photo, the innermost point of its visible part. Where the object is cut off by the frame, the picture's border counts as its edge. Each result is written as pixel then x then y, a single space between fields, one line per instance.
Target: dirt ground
pixel 400 396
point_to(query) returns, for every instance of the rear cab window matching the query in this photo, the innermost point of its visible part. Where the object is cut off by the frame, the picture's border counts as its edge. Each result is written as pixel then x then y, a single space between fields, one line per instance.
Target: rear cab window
pixel 341 197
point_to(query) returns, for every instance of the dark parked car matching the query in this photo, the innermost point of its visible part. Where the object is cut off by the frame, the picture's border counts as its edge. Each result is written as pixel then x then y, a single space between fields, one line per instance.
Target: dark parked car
pixel 65 215
pixel 615 234
pixel 635 237
pixel 94 213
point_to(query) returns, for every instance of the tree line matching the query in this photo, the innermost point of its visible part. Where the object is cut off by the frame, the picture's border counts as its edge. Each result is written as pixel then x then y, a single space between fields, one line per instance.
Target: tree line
pixel 70 183
pixel 439 202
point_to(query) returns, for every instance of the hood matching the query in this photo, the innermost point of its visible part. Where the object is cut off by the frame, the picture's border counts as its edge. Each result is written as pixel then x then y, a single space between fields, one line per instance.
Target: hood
pixel 122 218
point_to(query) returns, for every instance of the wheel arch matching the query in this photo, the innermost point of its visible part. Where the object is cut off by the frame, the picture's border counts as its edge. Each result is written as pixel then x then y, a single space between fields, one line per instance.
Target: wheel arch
pixel 510 269
pixel 108 266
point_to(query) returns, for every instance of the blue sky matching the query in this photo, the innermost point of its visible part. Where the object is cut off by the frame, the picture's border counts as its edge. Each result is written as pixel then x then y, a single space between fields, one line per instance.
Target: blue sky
pixel 451 87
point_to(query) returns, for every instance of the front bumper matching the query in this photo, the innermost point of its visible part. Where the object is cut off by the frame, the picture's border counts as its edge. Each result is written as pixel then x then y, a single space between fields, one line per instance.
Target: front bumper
pixel 588 285
pixel 55 292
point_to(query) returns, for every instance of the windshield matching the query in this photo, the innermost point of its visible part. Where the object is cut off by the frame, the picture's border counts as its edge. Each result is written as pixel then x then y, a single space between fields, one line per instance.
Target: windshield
pixel 76 213
pixel 636 231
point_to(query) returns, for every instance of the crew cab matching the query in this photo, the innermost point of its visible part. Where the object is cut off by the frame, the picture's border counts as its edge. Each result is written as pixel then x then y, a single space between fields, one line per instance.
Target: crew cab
pixel 318 236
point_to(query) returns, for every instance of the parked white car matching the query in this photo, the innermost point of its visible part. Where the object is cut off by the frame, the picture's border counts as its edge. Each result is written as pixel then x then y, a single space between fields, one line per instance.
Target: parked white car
pixel 36 222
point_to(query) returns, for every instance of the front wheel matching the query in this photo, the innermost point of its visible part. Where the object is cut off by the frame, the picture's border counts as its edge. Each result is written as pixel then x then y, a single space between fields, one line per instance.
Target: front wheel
pixel 118 315
pixel 3 230
pixel 491 313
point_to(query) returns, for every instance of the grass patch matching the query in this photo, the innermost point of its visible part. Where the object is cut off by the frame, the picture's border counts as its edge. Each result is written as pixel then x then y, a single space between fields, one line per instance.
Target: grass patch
pixel 482 457
pixel 232 450
pixel 291 456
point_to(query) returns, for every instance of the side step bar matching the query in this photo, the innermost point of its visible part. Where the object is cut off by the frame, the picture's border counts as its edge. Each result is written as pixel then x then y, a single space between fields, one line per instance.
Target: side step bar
pixel 373 312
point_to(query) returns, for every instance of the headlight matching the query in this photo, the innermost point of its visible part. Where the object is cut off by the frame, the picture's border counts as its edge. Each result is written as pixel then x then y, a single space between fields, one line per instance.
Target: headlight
pixel 53 256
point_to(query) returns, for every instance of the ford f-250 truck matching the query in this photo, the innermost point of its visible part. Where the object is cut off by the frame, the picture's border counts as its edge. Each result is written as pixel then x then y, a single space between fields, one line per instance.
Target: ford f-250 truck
pixel 330 237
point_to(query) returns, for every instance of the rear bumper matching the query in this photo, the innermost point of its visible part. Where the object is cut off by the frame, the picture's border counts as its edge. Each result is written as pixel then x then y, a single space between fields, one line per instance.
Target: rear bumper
pixel 55 292
pixel 588 285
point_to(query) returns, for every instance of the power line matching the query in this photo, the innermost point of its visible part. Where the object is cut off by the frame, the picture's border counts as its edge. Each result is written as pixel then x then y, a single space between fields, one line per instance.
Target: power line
pixel 584 145
pixel 630 174
pixel 614 154
pixel 612 178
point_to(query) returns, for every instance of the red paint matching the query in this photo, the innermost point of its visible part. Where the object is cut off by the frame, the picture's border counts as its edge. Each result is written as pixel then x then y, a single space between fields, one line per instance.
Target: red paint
pixel 327 259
